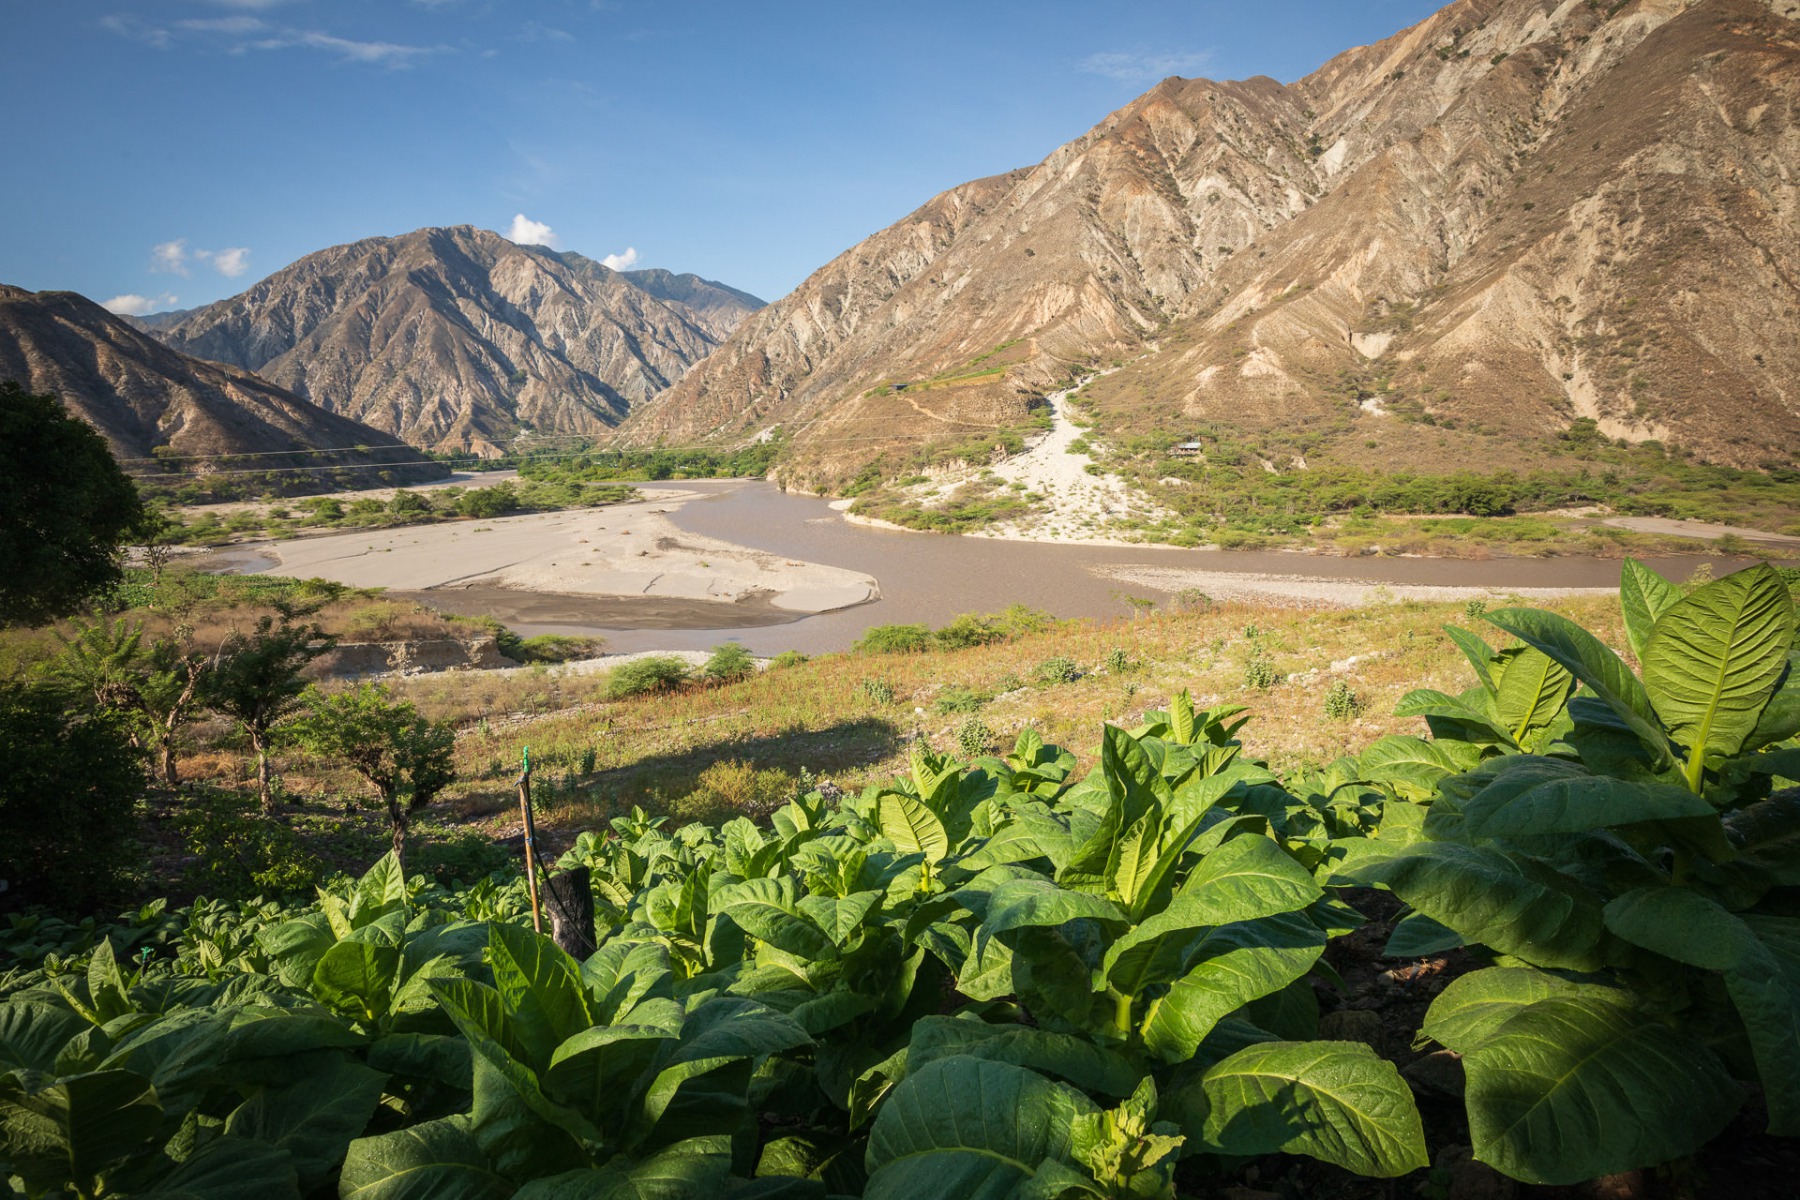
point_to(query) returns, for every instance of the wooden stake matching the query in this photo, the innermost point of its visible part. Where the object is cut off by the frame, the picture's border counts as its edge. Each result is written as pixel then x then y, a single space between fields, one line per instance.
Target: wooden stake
pixel 531 881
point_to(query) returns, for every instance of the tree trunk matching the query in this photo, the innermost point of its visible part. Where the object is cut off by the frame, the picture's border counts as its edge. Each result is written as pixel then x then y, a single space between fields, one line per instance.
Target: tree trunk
pixel 166 747
pixel 397 816
pixel 572 912
pixel 263 788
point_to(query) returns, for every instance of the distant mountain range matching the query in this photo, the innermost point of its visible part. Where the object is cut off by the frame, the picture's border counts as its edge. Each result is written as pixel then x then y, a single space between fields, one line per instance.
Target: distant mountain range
pixel 1430 252
pixel 458 339
pixel 148 400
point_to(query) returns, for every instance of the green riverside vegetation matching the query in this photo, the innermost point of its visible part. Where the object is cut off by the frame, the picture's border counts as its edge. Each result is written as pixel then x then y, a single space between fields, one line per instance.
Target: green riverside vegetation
pixel 1008 975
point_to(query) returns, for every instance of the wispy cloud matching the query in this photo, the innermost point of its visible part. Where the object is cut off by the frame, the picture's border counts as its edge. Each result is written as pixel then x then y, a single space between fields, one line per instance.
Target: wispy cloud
pixel 621 262
pixel 1129 66
pixel 133 305
pixel 242 33
pixel 527 232
pixel 533 31
pixel 169 258
pixel 230 262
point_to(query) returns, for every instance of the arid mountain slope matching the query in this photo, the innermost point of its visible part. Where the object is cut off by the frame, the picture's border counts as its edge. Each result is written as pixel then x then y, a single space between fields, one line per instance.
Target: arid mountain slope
pixel 144 397
pixel 1519 211
pixel 459 339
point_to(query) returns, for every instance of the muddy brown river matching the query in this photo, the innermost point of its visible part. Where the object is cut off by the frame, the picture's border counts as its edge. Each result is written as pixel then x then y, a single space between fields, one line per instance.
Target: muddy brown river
pixel 930 578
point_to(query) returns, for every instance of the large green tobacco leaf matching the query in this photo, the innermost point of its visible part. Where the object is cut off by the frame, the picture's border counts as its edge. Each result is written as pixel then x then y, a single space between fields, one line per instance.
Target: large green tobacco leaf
pixel 1249 876
pixel 1479 654
pixel 696 1169
pixel 1234 965
pixel 357 978
pixel 1533 689
pixel 1334 1101
pixel 1644 596
pixel 1034 902
pixel 1537 797
pixel 965 1129
pixel 1474 1006
pixel 1507 902
pixel 1584 656
pixel 913 827
pixel 1064 1056
pixel 437 1160
pixel 54 1132
pixel 1568 1090
pixel 1477 724
pixel 231 1168
pixel 1715 657
pixel 314 1119
pixel 33 1033
pixel 1680 924
pixel 1414 767
pixel 541 987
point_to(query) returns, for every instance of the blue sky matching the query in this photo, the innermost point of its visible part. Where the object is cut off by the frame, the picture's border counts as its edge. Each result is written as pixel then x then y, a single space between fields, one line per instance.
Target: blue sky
pixel 176 151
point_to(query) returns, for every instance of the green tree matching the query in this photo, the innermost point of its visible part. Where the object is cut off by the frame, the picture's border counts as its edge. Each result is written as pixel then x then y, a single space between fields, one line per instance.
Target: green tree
pixel 729 663
pixel 107 668
pixel 66 510
pixel 255 680
pixel 406 759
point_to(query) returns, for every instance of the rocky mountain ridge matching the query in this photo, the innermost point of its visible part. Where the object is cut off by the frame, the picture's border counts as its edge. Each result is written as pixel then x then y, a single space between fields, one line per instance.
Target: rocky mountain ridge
pixel 153 404
pixel 1511 215
pixel 458 339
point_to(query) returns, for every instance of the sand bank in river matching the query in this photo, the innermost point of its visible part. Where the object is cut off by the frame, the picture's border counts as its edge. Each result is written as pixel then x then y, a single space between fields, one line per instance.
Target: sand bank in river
pixel 1310 591
pixel 625 550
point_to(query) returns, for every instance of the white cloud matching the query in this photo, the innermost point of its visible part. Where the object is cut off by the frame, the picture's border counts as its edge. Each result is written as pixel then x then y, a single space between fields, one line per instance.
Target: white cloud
pixel 170 258
pixel 391 53
pixel 535 31
pixel 621 262
pixel 230 262
pixel 133 305
pixel 238 25
pixel 527 232
pixel 1144 67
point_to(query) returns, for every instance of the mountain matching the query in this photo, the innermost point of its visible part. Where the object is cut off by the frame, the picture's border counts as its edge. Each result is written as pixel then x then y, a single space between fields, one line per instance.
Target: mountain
pixel 457 339
pixel 1514 214
pixel 145 398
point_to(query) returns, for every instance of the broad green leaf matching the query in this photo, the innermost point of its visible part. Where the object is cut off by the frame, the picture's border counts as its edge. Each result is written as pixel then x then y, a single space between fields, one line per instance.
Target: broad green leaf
pixel 1417 935
pixel 57 1131
pixel 436 1160
pixel 913 827
pixel 695 1169
pixel 357 978
pixel 1644 596
pixel 1533 690
pixel 1068 1057
pixel 1681 924
pixel 1765 988
pixel 766 909
pixel 381 889
pixel 1715 657
pixel 1512 807
pixel 840 919
pixel 33 1033
pixel 1024 903
pixel 1137 786
pixel 966 1129
pixel 314 1119
pixel 1234 965
pixel 1568 1090
pixel 1584 656
pixel 1334 1101
pixel 1413 766
pixel 231 1168
pixel 1477 1004
pixel 541 987
pixel 1247 877
pixel 1506 902
pixel 1134 857
pixel 1429 702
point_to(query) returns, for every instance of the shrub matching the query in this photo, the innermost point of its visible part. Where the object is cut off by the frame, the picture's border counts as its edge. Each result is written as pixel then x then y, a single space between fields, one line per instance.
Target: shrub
pixel 644 676
pixel 1058 670
pixel 894 639
pixel 786 659
pixel 67 788
pixel 961 700
pixel 1342 703
pixel 1259 672
pixel 1475 609
pixel 553 648
pixel 974 738
pixel 878 690
pixel 733 789
pixel 238 853
pixel 1117 661
pixel 488 502
pixel 729 662
pixel 966 630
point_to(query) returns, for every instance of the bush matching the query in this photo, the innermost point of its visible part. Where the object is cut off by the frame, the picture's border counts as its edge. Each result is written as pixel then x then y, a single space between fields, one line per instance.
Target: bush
pixel 1117 661
pixel 1058 670
pixel 1342 703
pixel 729 663
pixel 68 785
pixel 552 648
pixel 894 639
pixel 786 659
pixel 238 853
pixel 488 502
pixel 878 690
pixel 644 676
pixel 733 789
pixel 966 630
pixel 1259 672
pixel 974 738
pixel 961 700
